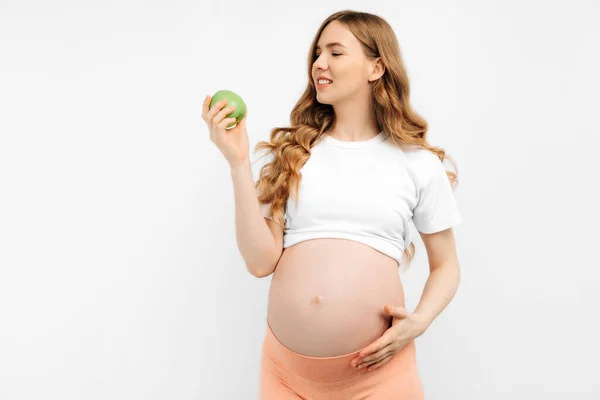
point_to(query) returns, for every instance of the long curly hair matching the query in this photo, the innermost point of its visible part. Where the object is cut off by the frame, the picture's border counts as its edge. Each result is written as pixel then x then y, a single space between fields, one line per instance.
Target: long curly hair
pixel 291 146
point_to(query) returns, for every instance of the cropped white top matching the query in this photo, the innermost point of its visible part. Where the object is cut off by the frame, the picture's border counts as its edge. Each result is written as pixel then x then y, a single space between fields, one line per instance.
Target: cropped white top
pixel 367 191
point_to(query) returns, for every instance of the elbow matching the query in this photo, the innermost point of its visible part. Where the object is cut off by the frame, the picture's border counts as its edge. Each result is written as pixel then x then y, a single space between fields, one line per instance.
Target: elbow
pixel 262 261
pixel 266 266
pixel 262 275
pixel 261 269
pixel 261 272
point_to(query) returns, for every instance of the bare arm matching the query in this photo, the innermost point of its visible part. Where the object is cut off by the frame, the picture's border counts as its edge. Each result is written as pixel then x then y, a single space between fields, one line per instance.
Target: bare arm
pixel 260 243
pixel 444 277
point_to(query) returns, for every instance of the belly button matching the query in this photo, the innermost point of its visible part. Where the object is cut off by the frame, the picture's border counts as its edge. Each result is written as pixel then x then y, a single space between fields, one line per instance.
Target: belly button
pixel 316 300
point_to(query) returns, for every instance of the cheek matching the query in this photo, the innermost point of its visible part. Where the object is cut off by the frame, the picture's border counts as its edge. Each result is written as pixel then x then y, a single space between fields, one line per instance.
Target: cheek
pixel 351 79
pixel 352 72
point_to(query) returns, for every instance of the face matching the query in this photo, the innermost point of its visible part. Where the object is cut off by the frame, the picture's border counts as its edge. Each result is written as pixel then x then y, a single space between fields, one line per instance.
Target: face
pixel 345 64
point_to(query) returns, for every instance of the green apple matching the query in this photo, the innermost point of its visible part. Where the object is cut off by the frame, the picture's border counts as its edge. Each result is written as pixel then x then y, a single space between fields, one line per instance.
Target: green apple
pixel 233 100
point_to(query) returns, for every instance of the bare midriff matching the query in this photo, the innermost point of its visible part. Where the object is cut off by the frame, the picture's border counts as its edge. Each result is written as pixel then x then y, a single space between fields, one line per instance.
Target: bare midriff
pixel 327 296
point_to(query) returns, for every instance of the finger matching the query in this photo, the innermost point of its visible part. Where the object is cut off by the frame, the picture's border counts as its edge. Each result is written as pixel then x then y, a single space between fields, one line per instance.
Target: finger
pixel 222 114
pixel 384 340
pixel 399 312
pixel 378 355
pixel 215 109
pixel 205 106
pixel 376 360
pixel 380 363
pixel 226 122
pixel 206 110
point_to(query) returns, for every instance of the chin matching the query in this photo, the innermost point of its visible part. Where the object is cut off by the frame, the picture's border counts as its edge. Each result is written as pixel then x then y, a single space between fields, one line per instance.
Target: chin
pixel 322 100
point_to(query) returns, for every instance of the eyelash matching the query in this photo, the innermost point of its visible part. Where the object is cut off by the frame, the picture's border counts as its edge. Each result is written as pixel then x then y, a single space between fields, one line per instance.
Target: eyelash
pixel 334 54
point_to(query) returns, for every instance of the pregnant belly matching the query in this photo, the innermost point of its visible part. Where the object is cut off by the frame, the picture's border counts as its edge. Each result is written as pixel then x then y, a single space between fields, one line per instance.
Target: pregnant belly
pixel 327 295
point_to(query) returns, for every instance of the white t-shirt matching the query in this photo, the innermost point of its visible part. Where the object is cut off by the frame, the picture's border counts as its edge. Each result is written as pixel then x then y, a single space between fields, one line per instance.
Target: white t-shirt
pixel 368 191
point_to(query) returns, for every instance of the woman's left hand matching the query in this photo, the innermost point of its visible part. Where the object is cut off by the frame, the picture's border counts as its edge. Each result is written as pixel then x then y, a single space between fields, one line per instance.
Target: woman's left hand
pixel 406 326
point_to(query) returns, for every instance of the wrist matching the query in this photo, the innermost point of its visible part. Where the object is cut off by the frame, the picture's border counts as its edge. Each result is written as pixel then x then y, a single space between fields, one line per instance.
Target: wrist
pixel 239 166
pixel 424 319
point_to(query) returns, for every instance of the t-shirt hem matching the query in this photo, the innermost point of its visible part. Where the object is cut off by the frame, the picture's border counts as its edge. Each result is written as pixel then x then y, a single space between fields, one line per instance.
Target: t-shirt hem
pixel 390 250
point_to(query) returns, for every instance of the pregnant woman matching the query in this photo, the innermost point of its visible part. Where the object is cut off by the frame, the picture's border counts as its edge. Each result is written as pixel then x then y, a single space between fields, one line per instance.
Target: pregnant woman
pixel 328 211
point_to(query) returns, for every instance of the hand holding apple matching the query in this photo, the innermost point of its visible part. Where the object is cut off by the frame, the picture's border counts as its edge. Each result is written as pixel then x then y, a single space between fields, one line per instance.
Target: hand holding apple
pixel 227 125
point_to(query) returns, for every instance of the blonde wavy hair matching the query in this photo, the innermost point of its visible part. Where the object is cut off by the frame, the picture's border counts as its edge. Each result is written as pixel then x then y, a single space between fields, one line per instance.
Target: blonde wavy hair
pixel 291 146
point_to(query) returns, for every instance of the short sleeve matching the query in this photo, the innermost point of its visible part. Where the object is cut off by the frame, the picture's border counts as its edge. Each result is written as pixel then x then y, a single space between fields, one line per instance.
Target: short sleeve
pixel 257 163
pixel 436 209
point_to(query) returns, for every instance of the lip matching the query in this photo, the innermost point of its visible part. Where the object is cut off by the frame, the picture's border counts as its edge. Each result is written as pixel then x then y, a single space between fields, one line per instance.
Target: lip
pixel 319 86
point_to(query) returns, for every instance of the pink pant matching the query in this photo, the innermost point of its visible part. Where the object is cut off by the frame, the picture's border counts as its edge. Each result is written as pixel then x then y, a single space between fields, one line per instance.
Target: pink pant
pixel 287 375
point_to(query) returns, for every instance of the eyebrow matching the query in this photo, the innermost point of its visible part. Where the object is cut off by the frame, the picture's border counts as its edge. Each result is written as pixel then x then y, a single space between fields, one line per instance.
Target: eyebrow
pixel 332 44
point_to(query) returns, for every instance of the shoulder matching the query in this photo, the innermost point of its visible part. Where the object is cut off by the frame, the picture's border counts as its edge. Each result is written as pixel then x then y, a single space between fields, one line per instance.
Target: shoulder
pixel 419 154
pixel 422 162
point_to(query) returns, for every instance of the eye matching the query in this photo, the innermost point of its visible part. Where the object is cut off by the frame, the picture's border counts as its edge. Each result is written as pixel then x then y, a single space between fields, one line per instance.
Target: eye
pixel 333 54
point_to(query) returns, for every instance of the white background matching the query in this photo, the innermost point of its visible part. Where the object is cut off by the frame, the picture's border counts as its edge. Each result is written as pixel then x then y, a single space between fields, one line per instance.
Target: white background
pixel 120 276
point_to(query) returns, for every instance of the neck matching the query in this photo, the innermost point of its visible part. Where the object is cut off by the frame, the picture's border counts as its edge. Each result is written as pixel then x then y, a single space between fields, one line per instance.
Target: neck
pixel 354 121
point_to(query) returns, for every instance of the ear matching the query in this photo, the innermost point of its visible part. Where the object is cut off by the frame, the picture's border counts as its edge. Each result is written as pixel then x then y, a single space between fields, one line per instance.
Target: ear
pixel 377 70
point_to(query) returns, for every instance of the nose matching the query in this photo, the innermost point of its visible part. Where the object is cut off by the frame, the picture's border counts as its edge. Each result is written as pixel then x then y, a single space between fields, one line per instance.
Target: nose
pixel 319 64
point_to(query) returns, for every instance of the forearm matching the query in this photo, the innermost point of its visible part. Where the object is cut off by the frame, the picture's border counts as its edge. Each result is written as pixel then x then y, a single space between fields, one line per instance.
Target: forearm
pixel 254 238
pixel 439 290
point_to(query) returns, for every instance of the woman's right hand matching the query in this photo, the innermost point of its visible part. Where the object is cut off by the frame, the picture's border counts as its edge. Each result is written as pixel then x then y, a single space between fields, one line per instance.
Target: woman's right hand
pixel 233 143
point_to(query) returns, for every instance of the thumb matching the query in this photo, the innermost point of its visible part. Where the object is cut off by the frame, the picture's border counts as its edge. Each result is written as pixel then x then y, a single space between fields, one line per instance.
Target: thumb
pixel 396 311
